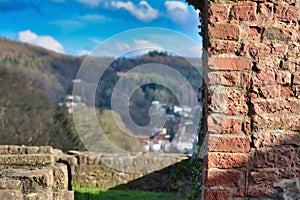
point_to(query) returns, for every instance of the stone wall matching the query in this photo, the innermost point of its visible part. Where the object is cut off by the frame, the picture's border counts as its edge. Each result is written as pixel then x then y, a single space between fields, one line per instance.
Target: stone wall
pixel 253 77
pixel 31 173
pixel 41 173
pixel 142 171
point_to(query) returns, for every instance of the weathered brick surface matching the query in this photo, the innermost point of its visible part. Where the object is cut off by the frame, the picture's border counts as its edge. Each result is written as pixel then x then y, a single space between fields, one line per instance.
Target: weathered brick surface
pixel 228 64
pixel 286 13
pixel 220 194
pixel 224 78
pixel 226 160
pixel 274 157
pixel 223 31
pixel 223 178
pixel 221 47
pixel 254 92
pixel 228 144
pixel 217 13
pixel 224 124
pixel 244 11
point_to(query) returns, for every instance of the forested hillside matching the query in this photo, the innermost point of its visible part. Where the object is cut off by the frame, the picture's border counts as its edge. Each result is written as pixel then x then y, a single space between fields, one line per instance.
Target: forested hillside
pixel 34 80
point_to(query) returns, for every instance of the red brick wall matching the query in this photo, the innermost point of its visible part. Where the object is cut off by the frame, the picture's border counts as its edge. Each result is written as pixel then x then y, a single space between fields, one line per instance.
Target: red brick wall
pixel 254 99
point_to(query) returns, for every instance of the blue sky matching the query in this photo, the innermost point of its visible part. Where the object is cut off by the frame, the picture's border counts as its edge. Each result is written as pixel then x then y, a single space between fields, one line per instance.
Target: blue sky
pixel 77 26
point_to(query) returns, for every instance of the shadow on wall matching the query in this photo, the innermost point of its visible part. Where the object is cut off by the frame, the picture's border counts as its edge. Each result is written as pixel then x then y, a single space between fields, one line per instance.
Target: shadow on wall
pixel 270 171
pixel 175 178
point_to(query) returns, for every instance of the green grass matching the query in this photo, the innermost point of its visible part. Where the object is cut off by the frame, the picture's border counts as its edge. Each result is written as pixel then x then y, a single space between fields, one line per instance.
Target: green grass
pixel 97 194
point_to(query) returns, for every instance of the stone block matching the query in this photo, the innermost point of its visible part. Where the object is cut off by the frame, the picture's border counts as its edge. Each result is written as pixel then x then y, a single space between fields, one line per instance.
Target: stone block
pixel 221 47
pixel 228 144
pixel 286 13
pixel 228 64
pixel 224 178
pixel 10 184
pixel 244 11
pixel 226 160
pixel 11 195
pixel 224 78
pixel 223 31
pixel 217 12
pixel 223 124
pixel 26 160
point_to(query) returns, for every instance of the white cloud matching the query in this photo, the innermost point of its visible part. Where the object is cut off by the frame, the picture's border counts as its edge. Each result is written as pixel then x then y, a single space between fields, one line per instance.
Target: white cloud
pixel 83 52
pixel 93 17
pixel 91 3
pixel 117 49
pixel 176 5
pixel 140 43
pixel 143 11
pixel 45 41
pixel 177 11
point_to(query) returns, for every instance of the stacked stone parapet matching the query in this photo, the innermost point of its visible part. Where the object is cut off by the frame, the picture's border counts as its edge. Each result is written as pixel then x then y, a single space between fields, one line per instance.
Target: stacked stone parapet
pixel 28 173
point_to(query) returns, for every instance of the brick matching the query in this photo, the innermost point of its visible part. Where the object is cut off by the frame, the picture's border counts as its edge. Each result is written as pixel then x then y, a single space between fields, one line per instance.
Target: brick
pixel 263 191
pixel 266 10
pixel 63 195
pixel 289 172
pixel 60 176
pixel 293 65
pixel 260 50
pixel 217 13
pixel 232 144
pixel 267 63
pixel 276 138
pixel 224 78
pixel 244 11
pixel 264 78
pixel 39 195
pixel 277 34
pixel 286 13
pixel 26 160
pixel 278 121
pixel 32 180
pixel 220 194
pixel 240 193
pixel 283 77
pixel 222 178
pixel 223 125
pixel 14 149
pixel 228 63
pixel 270 91
pixel 296 79
pixel 226 160
pixel 10 184
pixel 286 92
pixel 277 107
pixel 277 157
pixel 221 47
pixel 263 176
pixel 223 31
pixel 227 101
pixel 254 33
pixel 11 195
pixel 245 80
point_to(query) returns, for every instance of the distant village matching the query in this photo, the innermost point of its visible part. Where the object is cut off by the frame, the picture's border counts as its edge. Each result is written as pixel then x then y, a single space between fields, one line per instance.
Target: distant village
pixel 177 136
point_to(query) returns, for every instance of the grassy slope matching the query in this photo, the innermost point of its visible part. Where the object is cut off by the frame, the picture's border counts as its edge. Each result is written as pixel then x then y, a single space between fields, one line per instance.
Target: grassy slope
pixel 97 194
